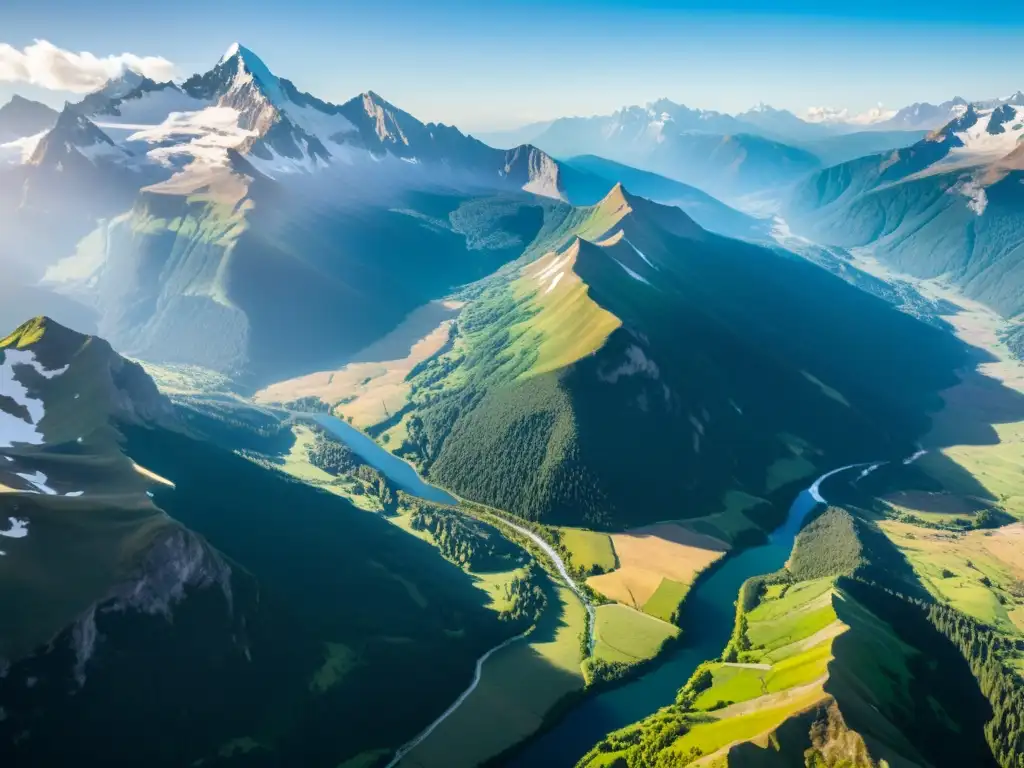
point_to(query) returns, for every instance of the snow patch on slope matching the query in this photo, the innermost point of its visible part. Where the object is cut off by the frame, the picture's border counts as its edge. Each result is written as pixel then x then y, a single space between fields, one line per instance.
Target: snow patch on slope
pixel 631 273
pixel 279 165
pixel 329 128
pixel 38 480
pixel 15 429
pixel 637 363
pixel 557 278
pixel 151 108
pixel 18 530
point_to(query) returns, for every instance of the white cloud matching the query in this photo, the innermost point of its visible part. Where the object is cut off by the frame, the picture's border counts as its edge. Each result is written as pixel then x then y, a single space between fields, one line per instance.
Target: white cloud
pixel 833 115
pixel 45 65
pixel 874 115
pixel 826 115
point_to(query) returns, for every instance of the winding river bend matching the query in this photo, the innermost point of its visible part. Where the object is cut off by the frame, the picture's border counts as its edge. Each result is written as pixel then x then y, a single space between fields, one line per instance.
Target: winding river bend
pixel 707 619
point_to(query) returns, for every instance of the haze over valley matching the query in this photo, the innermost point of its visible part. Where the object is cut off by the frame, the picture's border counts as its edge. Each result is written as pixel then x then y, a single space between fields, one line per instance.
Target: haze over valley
pixel 658 437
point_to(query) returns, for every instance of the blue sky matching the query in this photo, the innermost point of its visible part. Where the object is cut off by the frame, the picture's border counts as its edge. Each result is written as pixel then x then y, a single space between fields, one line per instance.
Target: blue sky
pixel 490 64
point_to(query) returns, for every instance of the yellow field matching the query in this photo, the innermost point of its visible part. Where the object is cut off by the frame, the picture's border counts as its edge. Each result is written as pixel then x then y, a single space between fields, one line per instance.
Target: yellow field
pixel 648 555
pixel 374 385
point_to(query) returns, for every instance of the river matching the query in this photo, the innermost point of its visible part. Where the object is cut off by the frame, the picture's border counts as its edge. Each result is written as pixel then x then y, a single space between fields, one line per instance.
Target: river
pixel 707 618
pixel 707 621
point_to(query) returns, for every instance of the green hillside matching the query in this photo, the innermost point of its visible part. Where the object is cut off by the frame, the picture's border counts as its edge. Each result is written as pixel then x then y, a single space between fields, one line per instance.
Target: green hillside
pixel 959 222
pixel 338 275
pixel 636 360
pixel 277 610
pixel 827 667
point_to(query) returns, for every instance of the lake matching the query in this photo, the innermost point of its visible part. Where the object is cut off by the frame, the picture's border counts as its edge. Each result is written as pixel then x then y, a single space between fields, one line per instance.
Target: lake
pixel 399 472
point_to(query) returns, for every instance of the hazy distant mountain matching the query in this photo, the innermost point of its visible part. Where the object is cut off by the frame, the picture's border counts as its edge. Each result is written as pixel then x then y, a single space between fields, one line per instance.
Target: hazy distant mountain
pixel 20 118
pixel 834 149
pixel 949 205
pixel 710 150
pixel 704 209
pixel 354 214
pixel 633 129
pixel 923 116
pixel 513 137
pixel 783 124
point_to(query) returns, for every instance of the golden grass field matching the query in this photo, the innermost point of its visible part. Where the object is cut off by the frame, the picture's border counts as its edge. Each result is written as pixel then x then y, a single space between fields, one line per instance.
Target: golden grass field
pixel 374 384
pixel 652 553
pixel 568 325
pixel 974 557
pixel 588 549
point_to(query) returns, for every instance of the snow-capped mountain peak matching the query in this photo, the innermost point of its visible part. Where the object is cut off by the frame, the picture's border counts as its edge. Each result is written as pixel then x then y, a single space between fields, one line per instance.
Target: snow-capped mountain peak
pixel 122 85
pixel 250 68
pixel 231 52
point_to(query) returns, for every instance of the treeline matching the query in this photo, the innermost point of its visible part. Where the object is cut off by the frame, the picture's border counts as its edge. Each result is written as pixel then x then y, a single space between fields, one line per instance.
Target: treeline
pixel 525 596
pixel 466 542
pixel 647 745
pixel 986 518
pixel 986 651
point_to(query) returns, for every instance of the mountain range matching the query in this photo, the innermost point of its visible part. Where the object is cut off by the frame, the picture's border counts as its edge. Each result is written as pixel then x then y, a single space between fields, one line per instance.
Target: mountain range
pixel 185 179
pixel 728 156
pixel 949 205
pixel 343 439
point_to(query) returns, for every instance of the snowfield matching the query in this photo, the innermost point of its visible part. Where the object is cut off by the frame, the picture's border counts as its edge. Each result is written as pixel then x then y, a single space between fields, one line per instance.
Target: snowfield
pixel 979 144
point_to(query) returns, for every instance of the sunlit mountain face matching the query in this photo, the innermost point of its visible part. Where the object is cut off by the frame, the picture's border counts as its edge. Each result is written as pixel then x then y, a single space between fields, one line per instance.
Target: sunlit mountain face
pixel 659 436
